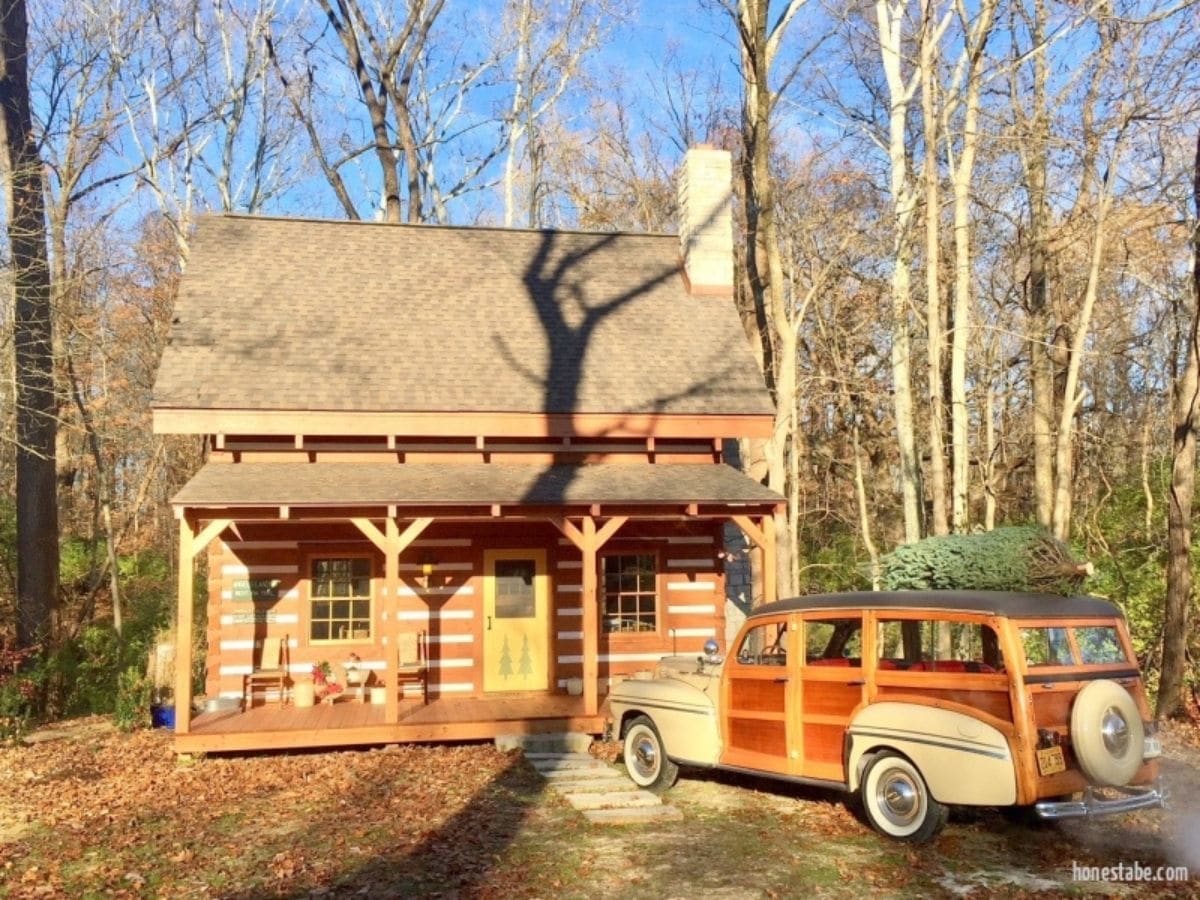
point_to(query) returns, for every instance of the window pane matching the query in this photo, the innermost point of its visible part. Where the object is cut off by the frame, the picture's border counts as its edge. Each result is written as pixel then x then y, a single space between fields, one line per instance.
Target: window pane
pixel 361 587
pixel 320 609
pixel 764 645
pixel 1099 645
pixel 827 639
pixel 361 609
pixel 320 631
pixel 1046 646
pixel 515 594
pixel 630 592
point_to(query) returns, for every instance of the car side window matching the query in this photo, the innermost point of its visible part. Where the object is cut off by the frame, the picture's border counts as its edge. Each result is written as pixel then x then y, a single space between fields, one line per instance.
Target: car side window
pixel 833 642
pixel 937 645
pixel 1046 646
pixel 764 645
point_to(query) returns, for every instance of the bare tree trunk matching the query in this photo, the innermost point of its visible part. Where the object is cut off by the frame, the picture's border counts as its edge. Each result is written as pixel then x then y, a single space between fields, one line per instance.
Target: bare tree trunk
pixel 890 18
pixel 1183 482
pixel 864 519
pixel 37 503
pixel 977 38
pixel 939 523
pixel 764 267
pixel 1064 462
pixel 1034 148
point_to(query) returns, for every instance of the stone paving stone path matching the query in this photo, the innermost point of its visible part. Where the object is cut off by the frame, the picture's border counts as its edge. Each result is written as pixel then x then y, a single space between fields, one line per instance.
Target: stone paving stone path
pixel 603 794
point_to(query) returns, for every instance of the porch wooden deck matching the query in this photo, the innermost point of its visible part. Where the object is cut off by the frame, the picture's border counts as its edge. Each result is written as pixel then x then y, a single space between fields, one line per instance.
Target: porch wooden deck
pixel 348 723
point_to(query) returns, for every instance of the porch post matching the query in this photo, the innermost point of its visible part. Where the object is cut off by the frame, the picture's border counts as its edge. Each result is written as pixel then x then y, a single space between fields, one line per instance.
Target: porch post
pixel 391 570
pixel 770 576
pixel 591 628
pixel 183 628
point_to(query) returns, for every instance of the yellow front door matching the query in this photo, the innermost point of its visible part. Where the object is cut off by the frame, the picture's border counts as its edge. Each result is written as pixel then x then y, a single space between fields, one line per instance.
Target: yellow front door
pixel 516 637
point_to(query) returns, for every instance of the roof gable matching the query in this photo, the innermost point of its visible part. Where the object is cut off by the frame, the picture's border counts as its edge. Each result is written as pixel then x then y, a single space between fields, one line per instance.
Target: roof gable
pixel 293 314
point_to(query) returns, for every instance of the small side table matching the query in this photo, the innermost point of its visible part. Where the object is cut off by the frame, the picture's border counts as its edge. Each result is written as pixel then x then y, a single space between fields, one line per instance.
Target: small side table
pixel 303 694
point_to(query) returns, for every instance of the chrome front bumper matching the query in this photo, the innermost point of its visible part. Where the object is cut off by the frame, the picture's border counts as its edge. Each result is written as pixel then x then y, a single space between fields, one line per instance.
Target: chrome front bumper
pixel 1091 805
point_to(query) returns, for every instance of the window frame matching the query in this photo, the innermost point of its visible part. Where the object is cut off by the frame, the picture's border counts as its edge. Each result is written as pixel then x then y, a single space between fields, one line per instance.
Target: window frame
pixel 660 610
pixel 309 598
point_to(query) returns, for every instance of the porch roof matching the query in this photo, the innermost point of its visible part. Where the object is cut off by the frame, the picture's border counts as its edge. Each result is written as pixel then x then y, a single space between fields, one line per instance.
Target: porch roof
pixel 431 484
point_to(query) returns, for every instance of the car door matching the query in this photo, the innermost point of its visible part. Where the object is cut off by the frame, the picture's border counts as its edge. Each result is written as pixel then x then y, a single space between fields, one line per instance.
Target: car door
pixel 758 728
pixel 831 686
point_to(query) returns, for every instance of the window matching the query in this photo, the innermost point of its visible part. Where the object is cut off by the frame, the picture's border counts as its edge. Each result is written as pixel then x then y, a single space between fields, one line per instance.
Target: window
pixel 764 645
pixel 830 642
pixel 631 593
pixel 340 596
pixel 1046 646
pixel 515 595
pixel 1098 645
pixel 937 645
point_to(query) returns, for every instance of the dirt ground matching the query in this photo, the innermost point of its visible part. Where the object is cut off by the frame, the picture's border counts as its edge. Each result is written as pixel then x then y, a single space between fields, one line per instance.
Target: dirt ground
pixel 86 811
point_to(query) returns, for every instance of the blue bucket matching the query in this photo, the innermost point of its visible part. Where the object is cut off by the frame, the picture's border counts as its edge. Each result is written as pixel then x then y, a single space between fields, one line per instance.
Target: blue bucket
pixel 162 717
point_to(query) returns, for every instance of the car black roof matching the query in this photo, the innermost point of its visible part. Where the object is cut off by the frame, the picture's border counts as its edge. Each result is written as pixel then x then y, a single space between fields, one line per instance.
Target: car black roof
pixel 997 603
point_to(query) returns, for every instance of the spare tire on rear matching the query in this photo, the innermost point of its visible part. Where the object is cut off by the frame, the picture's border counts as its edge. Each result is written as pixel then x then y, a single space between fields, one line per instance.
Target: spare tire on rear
pixel 1107 734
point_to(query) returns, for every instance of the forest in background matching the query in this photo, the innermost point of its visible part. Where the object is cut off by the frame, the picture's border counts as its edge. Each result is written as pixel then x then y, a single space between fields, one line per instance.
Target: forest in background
pixel 966 240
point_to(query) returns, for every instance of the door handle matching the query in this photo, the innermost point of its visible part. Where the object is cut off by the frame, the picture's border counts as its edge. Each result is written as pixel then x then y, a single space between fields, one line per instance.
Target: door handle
pixel 858 683
pixel 489 628
pixel 781 681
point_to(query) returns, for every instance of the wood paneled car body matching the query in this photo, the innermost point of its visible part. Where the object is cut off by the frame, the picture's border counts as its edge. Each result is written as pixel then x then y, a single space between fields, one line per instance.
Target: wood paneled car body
pixel 915 701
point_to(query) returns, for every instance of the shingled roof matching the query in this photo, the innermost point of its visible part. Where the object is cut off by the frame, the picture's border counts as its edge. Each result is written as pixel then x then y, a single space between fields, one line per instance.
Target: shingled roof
pixel 291 314
pixel 333 484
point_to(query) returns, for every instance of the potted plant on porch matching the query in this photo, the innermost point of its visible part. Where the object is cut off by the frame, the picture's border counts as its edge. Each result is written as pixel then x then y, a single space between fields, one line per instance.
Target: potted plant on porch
pixel 326 688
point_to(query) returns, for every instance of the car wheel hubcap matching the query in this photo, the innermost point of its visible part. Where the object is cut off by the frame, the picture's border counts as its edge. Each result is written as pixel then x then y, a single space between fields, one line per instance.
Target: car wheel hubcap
pixel 645 757
pixel 1115 731
pixel 898 798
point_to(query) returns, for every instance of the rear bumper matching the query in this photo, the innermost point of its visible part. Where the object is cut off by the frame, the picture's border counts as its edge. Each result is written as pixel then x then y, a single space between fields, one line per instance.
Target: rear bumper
pixel 1090 805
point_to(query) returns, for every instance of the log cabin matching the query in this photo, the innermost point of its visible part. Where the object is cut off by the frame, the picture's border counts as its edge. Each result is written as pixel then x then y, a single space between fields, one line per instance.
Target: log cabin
pixel 506 442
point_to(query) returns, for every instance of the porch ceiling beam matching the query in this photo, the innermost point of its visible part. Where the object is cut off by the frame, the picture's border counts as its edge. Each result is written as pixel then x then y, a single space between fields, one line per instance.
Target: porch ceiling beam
pixel 405 538
pixel 570 532
pixel 372 534
pixel 609 529
pixel 206 535
pixel 477 513
pixel 751 530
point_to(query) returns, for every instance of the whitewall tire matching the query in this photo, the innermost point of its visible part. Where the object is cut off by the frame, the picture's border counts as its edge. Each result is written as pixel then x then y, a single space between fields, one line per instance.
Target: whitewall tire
pixel 897 801
pixel 646 757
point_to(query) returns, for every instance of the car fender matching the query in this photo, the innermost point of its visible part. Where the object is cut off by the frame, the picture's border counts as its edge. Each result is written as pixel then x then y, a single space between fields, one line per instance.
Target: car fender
pixel 963 760
pixel 684 715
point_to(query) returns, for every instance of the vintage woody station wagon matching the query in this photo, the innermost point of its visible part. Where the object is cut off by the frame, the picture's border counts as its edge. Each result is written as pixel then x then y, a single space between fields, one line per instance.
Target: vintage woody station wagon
pixel 915 701
pixel 477 471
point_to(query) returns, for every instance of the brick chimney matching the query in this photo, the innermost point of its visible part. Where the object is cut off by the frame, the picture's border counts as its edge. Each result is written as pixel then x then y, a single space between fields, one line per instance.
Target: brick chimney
pixel 706 221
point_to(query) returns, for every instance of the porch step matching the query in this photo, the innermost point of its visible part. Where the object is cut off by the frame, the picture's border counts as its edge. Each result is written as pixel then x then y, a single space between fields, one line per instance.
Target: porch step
pixel 595 783
pixel 613 800
pixel 573 762
pixel 638 815
pixel 604 794
pixel 559 742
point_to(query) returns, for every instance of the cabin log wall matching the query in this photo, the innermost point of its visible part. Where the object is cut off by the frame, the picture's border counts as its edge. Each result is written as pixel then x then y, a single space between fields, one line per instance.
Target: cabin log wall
pixel 449 606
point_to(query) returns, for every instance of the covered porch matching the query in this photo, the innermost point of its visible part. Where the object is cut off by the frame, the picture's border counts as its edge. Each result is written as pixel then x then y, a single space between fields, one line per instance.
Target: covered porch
pixel 348 723
pixel 390 506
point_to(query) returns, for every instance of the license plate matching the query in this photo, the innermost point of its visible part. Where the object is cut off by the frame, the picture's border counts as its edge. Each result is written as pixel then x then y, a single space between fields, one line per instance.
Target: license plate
pixel 1050 761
